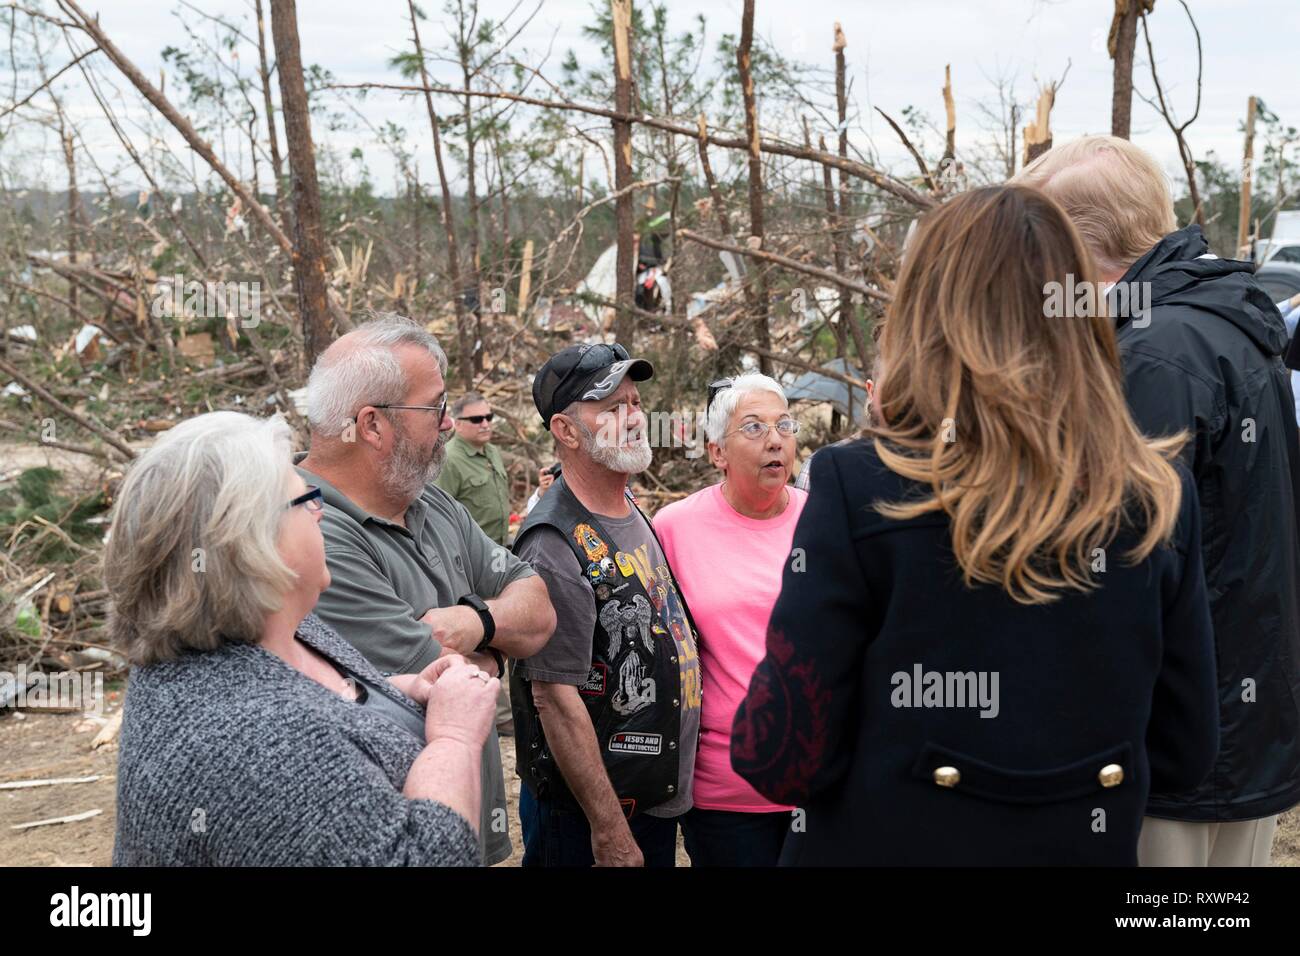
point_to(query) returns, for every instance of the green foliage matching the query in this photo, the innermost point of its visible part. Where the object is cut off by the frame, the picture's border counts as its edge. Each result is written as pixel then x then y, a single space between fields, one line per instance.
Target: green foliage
pixel 36 496
pixel 407 64
pixel 1277 177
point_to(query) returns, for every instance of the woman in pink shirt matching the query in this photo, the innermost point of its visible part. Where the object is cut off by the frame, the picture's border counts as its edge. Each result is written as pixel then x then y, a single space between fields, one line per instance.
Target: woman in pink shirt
pixel 727 546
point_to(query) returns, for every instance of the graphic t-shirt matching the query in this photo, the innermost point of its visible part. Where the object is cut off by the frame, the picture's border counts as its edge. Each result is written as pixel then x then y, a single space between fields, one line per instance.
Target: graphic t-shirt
pixel 729 567
pixel 566 658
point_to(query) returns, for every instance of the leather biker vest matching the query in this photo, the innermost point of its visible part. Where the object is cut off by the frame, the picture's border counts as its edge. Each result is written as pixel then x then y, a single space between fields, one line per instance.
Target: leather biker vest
pixel 633 687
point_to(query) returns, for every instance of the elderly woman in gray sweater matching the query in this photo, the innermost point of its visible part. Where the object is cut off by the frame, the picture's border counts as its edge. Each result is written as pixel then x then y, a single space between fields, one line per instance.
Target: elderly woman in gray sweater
pixel 253 734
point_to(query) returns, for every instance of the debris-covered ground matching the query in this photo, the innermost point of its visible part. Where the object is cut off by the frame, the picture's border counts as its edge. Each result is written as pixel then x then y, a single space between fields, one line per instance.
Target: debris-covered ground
pixel 58 746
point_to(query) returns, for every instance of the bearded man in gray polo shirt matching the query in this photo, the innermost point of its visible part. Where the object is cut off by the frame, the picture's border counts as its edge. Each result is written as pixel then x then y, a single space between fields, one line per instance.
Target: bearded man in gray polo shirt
pixel 412 577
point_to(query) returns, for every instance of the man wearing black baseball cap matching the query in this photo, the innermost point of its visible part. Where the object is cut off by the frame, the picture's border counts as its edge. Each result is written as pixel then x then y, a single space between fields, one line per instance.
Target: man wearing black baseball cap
pixel 584 373
pixel 607 715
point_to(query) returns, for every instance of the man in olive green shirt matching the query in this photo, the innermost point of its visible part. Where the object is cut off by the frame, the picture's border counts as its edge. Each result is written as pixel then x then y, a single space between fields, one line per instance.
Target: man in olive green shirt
pixel 474 473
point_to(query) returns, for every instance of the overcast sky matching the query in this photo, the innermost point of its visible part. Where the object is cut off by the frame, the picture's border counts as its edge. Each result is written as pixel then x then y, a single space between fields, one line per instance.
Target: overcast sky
pixel 896 54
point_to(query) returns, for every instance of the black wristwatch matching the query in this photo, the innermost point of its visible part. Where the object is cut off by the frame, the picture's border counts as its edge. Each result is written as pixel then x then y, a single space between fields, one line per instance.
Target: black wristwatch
pixel 484 615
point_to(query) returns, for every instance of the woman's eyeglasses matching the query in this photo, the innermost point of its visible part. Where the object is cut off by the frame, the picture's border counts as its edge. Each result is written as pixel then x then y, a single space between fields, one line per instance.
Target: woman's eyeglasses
pixel 758 430
pixel 476 419
pixel 310 499
pixel 753 430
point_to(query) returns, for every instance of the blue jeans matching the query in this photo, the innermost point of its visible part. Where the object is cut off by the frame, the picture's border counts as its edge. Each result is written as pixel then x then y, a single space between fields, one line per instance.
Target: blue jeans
pixel 728 838
pixel 557 835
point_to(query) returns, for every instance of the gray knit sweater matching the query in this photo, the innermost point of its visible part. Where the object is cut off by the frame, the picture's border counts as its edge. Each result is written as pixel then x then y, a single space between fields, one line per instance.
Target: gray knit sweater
pixel 234 758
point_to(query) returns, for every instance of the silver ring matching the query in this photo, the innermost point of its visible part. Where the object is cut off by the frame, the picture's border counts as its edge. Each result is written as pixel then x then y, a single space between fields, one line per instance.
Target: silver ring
pixel 483 676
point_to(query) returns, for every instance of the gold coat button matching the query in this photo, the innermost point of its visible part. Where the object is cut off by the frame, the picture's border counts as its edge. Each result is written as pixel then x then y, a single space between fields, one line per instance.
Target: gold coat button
pixel 947 776
pixel 1111 775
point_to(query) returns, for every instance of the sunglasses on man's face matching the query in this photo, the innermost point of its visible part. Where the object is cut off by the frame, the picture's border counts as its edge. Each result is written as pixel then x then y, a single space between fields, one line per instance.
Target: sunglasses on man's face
pixel 475 419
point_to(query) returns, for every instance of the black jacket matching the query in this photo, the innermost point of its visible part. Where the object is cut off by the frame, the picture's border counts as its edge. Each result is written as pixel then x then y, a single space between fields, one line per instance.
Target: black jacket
pixel 1121 676
pixel 1207 360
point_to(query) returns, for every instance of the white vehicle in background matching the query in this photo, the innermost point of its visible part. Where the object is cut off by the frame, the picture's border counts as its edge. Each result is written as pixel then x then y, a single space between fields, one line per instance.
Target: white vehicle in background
pixel 1284 246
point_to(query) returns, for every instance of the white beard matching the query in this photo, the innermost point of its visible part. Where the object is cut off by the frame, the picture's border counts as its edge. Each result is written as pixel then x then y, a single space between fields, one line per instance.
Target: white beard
pixel 626 460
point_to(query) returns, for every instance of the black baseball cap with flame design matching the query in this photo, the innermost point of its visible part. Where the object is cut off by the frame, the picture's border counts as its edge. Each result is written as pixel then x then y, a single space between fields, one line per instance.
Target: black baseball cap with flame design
pixel 584 373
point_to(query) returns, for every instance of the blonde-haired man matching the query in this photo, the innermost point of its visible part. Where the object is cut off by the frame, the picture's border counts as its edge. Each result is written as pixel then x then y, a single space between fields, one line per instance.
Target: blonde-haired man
pixel 1202 344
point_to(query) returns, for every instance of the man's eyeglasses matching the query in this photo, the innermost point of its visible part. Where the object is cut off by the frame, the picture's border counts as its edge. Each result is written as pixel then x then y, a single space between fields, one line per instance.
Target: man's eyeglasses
pixel 758 430
pixel 440 408
pixel 311 499
pixel 476 419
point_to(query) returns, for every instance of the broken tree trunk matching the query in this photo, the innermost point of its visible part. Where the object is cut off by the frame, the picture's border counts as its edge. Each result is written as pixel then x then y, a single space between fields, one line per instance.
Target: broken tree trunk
pixel 719 207
pixel 1038 134
pixel 835 227
pixel 757 280
pixel 277 164
pixel 1121 43
pixel 950 111
pixel 1247 177
pixel 624 286
pixel 308 250
pixel 474 268
pixel 837 209
pixel 525 280
pixel 464 343
pixel 70 157
pixel 848 310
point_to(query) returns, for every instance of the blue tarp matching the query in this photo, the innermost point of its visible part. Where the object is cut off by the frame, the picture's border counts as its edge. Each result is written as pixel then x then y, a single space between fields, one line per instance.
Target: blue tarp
pixel 814 387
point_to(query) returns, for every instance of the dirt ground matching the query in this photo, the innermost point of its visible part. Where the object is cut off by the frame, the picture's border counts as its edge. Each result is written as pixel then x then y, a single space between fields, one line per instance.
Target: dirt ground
pixel 45 746
pixel 42 746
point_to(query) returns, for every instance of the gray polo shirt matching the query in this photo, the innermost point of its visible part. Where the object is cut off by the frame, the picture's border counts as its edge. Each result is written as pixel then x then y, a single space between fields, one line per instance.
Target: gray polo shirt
pixel 384 577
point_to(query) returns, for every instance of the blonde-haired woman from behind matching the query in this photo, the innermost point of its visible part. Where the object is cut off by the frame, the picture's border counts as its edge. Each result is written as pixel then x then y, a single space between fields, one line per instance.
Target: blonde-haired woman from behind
pixel 999 633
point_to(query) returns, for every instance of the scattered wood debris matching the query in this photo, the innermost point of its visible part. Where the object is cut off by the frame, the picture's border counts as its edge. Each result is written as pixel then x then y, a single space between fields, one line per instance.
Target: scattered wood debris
pixel 74 818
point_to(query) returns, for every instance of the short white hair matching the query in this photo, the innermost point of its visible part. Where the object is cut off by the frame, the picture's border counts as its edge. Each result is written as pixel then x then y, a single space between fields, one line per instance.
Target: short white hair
pixel 192 559
pixel 724 405
pixel 362 369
